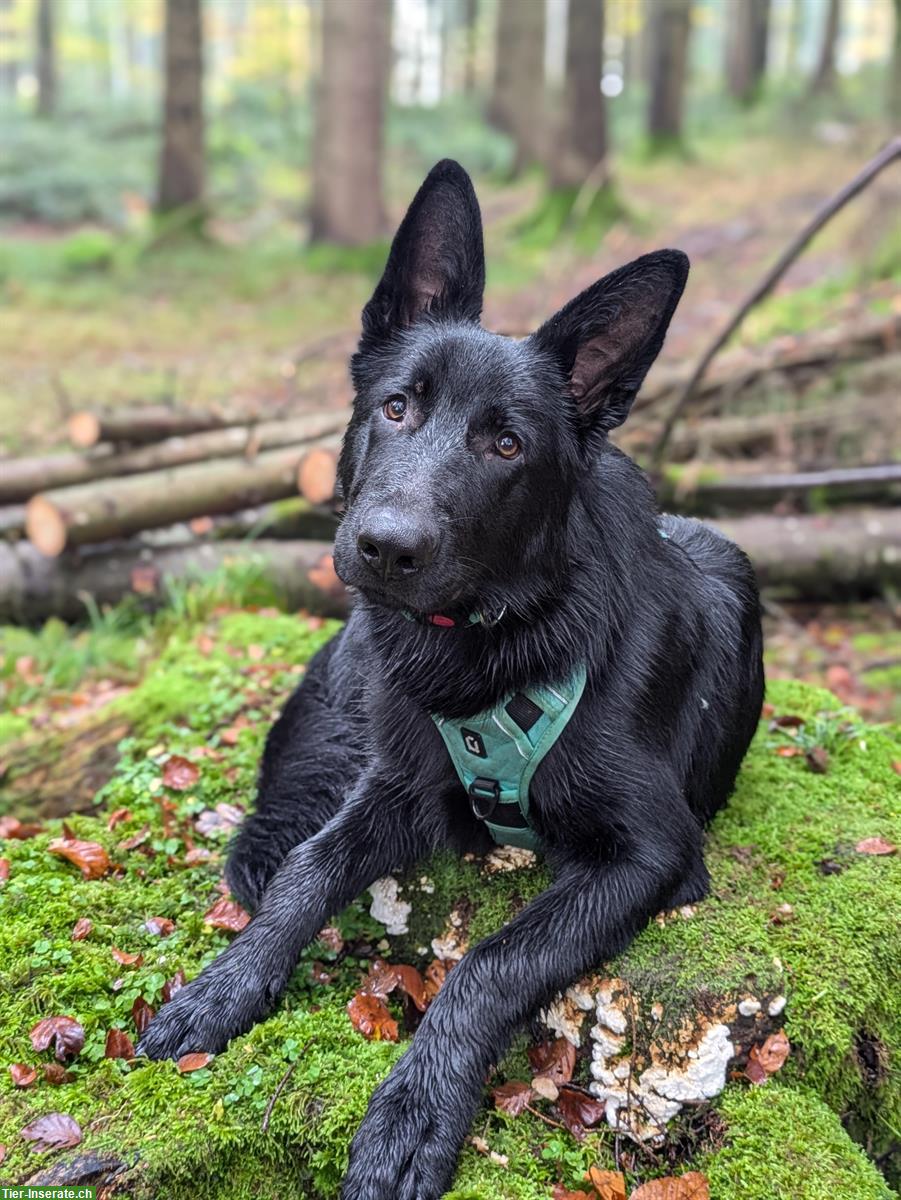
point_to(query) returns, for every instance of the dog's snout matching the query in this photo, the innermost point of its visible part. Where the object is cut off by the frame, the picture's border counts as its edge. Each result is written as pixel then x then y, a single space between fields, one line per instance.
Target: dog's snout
pixel 395 545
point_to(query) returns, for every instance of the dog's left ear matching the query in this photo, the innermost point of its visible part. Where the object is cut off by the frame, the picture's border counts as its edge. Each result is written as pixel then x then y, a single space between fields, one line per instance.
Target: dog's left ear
pixel 437 259
pixel 607 338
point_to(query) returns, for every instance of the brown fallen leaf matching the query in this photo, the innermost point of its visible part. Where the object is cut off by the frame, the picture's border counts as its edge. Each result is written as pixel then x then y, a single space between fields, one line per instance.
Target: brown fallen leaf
pixel 56 1074
pixel 788 721
pixel 65 1033
pixel 173 985
pixel 789 751
pixel 117 817
pixel 227 914
pixel 23 1076
pixel 559 1192
pixel 331 938
pixel 179 773
pixel 512 1098
pixel 90 857
pixel 579 1111
pixel 141 1013
pixel 193 1062
pixel 127 960
pixel 369 1015
pixel 2 1152
pixel 876 845
pixel 118 1045
pixel 4 869
pixel 221 819
pixel 691 1186
pixel 609 1185
pixel 556 1060
pixel 765 1060
pixel 81 929
pixel 54 1131
pixel 136 839
pixel 818 760
pixel 896 766
pixel 159 926
pixel 12 827
pixel 435 975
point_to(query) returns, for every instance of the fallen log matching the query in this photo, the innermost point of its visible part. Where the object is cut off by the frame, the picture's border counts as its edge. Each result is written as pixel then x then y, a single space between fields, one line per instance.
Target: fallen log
pixel 20 479
pixel 147 424
pixel 317 473
pixel 33 587
pixel 724 488
pixel 98 512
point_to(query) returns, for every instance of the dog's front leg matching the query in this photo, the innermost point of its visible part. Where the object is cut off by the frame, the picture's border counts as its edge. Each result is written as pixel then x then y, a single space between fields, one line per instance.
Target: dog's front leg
pixel 369 836
pixel 407 1147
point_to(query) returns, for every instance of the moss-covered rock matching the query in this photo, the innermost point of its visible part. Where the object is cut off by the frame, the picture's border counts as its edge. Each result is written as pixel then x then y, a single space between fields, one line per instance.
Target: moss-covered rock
pixel 795 912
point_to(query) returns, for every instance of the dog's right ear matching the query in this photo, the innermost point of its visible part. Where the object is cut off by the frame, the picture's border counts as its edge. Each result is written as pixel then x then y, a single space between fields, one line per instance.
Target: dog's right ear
pixel 437 260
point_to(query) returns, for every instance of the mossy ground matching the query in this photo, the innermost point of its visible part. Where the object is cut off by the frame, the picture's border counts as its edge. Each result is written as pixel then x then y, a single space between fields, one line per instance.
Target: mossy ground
pixel 200 1134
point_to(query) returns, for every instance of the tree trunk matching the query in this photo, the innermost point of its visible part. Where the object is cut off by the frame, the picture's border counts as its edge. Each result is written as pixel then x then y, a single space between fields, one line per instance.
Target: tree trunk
pixel 150 423
pixel 470 45
pixel 182 161
pixel 746 48
pixel 670 26
pixel 894 86
pixel 824 77
pixel 46 58
pixel 347 205
pixel 733 491
pixel 518 102
pixel 9 50
pixel 581 142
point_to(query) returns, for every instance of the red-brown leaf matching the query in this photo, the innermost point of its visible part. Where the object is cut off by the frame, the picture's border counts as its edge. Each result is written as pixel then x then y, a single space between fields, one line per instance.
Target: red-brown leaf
pixel 65 1033
pixel 11 827
pixel 127 960
pixel 766 1059
pixel 159 926
pixel 789 751
pixel 142 1014
pixel 818 760
pixel 227 914
pixel 116 818
pixel 559 1192
pixel 56 1074
pixel 787 722
pixel 23 1076
pixel 579 1111
pixel 173 985
pixel 90 857
pixel 692 1186
pixel 2 1153
pixel 193 1062
pixel 876 845
pixel 369 1015
pixel 81 929
pixel 118 1045
pixel 136 839
pixel 180 774
pixel 435 975
pixel 512 1097
pixel 609 1185
pixel 54 1131
pixel 4 869
pixel 555 1060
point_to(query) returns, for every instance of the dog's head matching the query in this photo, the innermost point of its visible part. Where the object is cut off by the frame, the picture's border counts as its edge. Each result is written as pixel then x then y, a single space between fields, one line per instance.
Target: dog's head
pixel 465 447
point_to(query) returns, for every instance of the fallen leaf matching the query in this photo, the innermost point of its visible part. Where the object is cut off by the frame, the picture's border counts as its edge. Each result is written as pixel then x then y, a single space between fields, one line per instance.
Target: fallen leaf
pixel 369 1015
pixel 23 1076
pixel 692 1186
pixel 609 1185
pixel 116 818
pixel 256 653
pixel 320 972
pixel 56 1074
pixel 219 819
pixel 227 914
pixel 11 827
pixel 2 1153
pixel 141 1013
pixel 159 926
pixel 818 760
pixel 81 929
pixel 65 1033
pixel 330 936
pixel 782 915
pixel 787 722
pixel 559 1192
pixel 512 1098
pixel 556 1060
pixel 896 766
pixel 179 774
pixel 127 960
pixel 145 579
pixel 205 644
pixel 412 984
pixel 192 1062
pixel 198 855
pixel 435 975
pixel 765 1060
pixel 876 845
pixel 789 751
pixel 579 1111
pixel 90 857
pixel 173 985
pixel 4 869
pixel 118 1045
pixel 136 839
pixel 54 1131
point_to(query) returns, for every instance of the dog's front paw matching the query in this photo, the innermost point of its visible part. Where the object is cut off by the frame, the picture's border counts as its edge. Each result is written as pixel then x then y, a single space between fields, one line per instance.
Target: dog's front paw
pixel 204 1015
pixel 408 1144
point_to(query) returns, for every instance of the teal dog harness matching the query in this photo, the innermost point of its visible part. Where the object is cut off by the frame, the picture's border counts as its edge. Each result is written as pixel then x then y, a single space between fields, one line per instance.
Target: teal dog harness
pixel 497 751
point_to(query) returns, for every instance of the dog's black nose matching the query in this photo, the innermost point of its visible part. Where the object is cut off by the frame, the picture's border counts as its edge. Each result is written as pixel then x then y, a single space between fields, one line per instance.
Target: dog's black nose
pixel 395 545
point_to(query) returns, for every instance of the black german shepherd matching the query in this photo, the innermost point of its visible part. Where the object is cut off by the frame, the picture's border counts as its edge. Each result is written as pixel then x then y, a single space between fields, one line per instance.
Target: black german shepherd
pixel 497 542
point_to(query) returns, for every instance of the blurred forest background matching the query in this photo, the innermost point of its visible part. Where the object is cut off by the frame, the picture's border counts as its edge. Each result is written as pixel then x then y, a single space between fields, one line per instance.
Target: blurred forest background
pixel 195 201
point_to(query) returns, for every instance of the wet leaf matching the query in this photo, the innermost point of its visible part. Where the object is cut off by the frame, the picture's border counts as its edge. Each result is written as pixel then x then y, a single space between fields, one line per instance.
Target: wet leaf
pixel 788 721
pixel 11 827
pixel 818 760
pixel 116 818
pixel 765 1060
pixel 54 1131
pixel 609 1185
pixel 512 1098
pixel 173 985
pixel 876 845
pixel 56 1074
pixel 692 1186
pixel 435 975
pixel 81 929
pixel 118 1045
pixel 789 751
pixel 579 1111
pixel 159 926
pixel 23 1076
pixel 412 984
pixel 127 960
pixel 193 1062
pixel 142 1014
pixel 65 1033
pixel 136 839
pixel 369 1015
pixel 556 1060
pixel 221 819
pixel 4 869
pixel 559 1192
pixel 180 774
pixel 90 857
pixel 227 914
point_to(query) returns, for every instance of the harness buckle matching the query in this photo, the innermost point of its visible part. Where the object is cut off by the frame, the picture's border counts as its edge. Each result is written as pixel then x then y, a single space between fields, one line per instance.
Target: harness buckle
pixel 484 795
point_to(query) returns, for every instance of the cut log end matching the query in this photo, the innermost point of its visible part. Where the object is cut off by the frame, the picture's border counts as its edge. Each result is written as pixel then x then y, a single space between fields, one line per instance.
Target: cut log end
pixel 45 526
pixel 316 475
pixel 84 429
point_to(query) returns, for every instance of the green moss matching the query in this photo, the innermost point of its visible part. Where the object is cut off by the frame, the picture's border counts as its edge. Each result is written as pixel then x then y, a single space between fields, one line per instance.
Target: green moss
pixel 836 959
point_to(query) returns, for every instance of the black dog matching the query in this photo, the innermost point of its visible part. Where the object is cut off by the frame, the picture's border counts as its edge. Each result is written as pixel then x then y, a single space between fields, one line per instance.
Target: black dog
pixel 498 543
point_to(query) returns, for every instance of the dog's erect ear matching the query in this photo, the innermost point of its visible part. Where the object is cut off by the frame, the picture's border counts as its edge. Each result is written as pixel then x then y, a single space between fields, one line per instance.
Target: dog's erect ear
pixel 606 339
pixel 437 261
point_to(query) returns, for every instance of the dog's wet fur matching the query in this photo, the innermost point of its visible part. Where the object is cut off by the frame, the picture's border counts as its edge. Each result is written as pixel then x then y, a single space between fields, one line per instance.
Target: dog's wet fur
pixel 478 477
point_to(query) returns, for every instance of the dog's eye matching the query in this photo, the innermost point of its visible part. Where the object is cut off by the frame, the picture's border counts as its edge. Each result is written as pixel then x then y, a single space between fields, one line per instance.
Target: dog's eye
pixel 507 445
pixel 395 408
